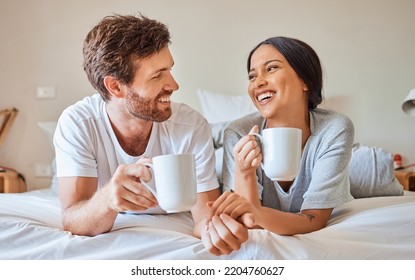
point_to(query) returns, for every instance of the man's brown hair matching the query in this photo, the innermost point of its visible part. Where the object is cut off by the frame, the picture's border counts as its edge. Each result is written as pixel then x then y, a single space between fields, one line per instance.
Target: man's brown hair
pixel 112 46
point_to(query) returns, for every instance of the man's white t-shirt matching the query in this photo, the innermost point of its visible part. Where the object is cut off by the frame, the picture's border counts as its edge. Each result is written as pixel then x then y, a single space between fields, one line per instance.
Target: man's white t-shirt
pixel 86 145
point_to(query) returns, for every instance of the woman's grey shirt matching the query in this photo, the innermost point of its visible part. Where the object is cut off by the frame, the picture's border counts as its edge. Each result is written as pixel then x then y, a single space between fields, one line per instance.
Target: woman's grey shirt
pixel 323 180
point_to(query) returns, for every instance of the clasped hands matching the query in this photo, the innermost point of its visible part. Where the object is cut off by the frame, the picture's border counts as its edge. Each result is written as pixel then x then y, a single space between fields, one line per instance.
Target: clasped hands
pixel 231 215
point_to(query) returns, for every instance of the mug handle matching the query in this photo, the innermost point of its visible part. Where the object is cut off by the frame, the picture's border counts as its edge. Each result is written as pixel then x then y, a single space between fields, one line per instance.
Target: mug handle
pixel 259 136
pixel 151 168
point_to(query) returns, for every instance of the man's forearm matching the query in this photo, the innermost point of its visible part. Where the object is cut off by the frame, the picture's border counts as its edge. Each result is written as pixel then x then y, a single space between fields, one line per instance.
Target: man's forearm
pixel 89 217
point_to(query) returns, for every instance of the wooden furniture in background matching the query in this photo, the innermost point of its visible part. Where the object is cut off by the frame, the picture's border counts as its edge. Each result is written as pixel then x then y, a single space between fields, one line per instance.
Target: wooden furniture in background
pixel 7 117
pixel 406 178
pixel 10 182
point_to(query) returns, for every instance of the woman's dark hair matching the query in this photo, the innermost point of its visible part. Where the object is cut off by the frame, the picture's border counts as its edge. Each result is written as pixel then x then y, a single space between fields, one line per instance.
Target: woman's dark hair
pixel 305 62
pixel 113 45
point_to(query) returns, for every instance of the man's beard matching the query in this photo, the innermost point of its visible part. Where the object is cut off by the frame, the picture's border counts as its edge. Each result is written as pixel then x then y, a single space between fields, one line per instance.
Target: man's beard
pixel 147 108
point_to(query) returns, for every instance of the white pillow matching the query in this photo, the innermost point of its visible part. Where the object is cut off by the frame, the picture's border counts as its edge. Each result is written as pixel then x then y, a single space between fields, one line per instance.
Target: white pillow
pixel 219 108
pixel 49 129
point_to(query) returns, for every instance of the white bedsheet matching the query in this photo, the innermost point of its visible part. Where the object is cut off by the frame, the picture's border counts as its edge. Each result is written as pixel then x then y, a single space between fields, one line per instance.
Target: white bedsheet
pixel 369 228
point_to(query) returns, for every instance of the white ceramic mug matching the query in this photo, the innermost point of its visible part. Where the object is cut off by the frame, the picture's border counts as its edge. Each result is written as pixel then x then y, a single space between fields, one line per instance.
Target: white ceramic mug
pixel 175 180
pixel 281 152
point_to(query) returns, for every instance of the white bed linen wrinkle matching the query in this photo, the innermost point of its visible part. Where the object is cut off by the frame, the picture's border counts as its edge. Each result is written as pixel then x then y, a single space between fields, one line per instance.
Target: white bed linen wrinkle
pixel 367 228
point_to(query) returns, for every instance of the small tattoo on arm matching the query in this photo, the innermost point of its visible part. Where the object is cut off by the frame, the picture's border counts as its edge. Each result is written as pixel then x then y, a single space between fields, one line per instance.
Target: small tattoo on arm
pixel 308 216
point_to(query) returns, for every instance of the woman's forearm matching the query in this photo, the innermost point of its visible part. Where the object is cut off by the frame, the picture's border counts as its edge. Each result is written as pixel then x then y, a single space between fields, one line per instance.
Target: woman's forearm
pixel 246 186
pixel 286 223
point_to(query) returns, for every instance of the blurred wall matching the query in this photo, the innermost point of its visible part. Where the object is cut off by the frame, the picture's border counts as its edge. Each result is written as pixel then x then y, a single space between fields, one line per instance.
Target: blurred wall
pixel 367 49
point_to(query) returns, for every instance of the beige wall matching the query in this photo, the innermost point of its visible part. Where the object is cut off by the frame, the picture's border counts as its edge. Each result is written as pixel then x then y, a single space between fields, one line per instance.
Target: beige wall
pixel 367 49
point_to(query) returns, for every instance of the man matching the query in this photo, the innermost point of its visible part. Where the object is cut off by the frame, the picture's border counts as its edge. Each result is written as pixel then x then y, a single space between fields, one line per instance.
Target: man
pixel 102 140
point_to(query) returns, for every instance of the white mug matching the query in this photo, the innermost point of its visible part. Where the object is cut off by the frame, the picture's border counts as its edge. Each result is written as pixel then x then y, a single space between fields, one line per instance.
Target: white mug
pixel 281 152
pixel 175 180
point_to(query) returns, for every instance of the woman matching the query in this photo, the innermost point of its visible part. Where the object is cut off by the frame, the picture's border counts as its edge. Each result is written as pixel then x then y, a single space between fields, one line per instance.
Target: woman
pixel 285 84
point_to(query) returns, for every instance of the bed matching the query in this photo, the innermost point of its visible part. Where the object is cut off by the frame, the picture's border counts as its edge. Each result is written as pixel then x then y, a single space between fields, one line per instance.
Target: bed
pixel 374 228
pixel 378 225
